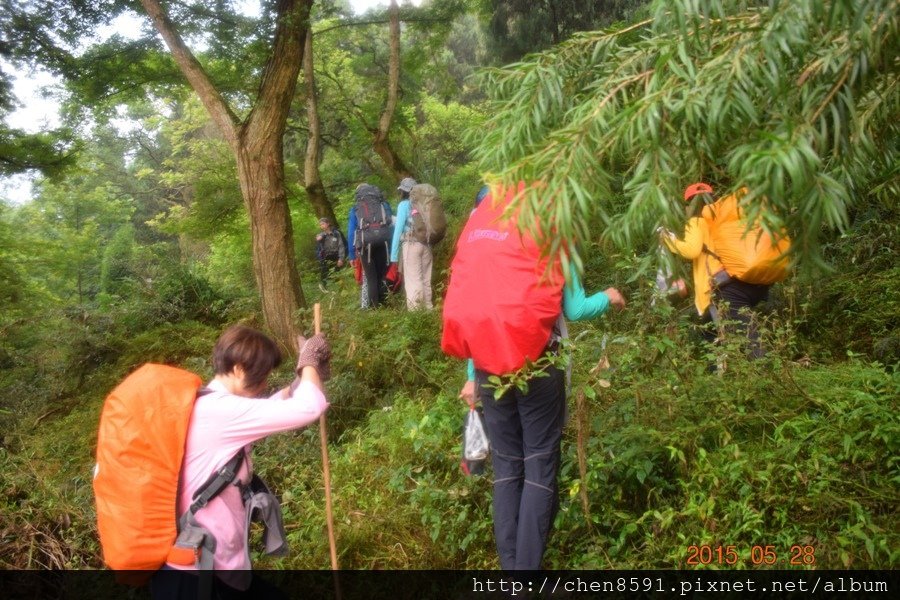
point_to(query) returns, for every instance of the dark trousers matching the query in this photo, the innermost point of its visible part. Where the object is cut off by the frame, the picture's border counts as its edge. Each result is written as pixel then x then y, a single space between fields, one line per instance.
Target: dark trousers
pixel 327 266
pixel 733 302
pixel 172 584
pixel 374 260
pixel 525 432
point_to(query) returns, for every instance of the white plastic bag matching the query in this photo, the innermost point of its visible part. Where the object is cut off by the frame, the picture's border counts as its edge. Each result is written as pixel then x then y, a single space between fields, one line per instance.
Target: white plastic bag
pixel 475 440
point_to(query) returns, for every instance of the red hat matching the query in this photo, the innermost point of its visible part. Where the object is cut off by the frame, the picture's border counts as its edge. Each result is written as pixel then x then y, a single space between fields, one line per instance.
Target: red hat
pixel 696 188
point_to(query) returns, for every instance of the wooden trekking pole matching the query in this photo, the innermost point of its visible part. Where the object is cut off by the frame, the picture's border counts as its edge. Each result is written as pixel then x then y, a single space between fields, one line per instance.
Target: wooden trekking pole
pixel 326 467
pixel 326 470
pixel 323 439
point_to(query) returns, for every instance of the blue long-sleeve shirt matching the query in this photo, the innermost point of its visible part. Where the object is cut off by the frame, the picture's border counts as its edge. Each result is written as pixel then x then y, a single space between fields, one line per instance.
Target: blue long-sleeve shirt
pixel 403 211
pixel 577 306
pixel 353 223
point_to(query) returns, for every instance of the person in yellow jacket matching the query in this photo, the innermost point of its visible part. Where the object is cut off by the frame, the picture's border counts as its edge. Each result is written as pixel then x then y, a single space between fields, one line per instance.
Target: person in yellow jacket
pixel 695 239
pixel 713 287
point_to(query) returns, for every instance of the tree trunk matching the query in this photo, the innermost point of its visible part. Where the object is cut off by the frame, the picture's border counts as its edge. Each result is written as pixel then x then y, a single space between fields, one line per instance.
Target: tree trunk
pixel 312 179
pixel 554 22
pixel 258 149
pixel 391 159
pixel 381 143
pixel 261 173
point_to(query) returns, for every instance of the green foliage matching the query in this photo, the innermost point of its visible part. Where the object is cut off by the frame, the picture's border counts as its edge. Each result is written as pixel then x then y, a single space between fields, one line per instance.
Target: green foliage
pixel 182 295
pixel 795 100
pixel 80 282
pixel 47 32
pixel 229 263
pixel 115 269
pixel 350 70
pixel 66 228
pixel 48 152
pixel 465 51
pixel 199 169
pixel 856 306
pixel 857 312
pixel 381 353
pixel 13 277
pixel 45 480
pixel 47 359
pixel 676 456
pixel 772 452
pixel 400 498
pixel 438 143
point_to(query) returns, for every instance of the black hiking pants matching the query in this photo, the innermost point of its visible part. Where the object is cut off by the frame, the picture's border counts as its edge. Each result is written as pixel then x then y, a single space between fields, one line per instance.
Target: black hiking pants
pixel 525 432
pixel 374 259
pixel 327 266
pixel 733 302
pixel 173 584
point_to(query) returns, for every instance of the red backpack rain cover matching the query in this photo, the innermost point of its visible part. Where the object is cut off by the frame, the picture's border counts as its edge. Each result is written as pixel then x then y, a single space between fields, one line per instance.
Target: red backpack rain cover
pixel 501 301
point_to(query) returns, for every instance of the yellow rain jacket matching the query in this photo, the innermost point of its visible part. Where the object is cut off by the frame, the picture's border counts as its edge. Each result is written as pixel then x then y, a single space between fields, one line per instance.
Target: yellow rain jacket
pixel 696 234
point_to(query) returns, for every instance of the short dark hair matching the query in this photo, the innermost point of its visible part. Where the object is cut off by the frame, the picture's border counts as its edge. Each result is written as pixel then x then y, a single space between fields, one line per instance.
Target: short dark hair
pixel 255 352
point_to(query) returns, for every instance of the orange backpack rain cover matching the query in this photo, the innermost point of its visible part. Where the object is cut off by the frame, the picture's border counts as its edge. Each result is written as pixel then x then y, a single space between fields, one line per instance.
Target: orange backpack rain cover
pixel 750 255
pixel 501 301
pixel 140 447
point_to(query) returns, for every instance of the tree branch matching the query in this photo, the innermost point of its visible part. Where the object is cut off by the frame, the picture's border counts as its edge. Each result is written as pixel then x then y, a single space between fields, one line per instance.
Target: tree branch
pixel 834 90
pixel 193 71
pixel 384 123
pixel 343 24
pixel 279 78
pixel 311 163
pixel 356 110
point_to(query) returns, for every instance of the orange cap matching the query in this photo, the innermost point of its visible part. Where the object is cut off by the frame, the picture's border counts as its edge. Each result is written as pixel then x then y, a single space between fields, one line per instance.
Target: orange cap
pixel 696 188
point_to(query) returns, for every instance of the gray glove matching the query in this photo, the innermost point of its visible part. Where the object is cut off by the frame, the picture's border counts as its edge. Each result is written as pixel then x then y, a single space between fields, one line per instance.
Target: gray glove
pixel 314 352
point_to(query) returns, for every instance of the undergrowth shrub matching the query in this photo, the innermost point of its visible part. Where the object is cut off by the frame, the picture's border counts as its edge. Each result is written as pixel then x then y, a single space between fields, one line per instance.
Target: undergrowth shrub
pixel 379 353
pixel 48 358
pixel 771 452
pixel 857 306
pixel 400 498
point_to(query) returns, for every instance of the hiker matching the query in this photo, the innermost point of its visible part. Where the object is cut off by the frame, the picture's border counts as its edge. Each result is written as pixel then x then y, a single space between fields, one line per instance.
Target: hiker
pixel 331 250
pixel 369 232
pixel 733 267
pixel 415 211
pixel 519 317
pixel 468 390
pixel 226 420
pixel 393 276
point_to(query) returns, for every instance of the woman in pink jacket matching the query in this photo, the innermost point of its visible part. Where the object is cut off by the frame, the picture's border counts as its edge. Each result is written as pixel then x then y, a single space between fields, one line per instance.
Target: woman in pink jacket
pixel 228 417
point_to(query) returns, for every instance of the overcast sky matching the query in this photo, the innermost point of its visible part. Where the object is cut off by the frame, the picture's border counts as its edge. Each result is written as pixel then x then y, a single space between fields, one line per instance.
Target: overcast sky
pixel 39 112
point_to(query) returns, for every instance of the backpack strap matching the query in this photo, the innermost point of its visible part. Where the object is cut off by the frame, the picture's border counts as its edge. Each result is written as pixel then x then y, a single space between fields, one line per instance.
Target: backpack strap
pixel 192 536
pixel 217 482
pixel 195 540
pixel 199 544
pixel 711 253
